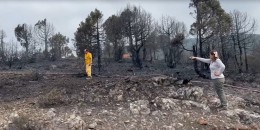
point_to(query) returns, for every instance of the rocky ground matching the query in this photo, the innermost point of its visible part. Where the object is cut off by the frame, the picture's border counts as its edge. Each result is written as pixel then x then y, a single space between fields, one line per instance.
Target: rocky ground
pixel 56 96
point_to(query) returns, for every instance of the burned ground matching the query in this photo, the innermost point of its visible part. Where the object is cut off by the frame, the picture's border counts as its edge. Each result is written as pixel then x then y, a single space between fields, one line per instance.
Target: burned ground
pixel 56 95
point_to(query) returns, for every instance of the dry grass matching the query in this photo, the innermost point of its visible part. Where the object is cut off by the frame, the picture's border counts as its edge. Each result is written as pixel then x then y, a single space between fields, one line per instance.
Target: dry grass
pixel 53 98
pixel 21 122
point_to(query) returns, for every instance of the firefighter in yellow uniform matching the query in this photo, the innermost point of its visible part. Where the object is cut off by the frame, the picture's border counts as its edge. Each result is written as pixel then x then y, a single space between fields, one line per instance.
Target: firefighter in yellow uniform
pixel 88 63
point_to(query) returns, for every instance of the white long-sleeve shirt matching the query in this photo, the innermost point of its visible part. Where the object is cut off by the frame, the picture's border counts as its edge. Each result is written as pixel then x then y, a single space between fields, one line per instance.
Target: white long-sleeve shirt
pixel 215 66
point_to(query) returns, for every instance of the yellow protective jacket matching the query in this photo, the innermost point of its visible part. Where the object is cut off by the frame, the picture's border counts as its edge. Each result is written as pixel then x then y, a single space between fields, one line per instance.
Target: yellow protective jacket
pixel 88 58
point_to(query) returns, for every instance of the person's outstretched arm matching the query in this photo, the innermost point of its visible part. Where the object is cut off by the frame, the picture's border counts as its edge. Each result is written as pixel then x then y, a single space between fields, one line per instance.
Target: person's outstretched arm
pixel 201 59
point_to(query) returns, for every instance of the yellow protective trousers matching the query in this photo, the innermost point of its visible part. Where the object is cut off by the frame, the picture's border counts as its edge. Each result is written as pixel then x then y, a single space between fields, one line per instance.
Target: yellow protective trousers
pixel 88 70
pixel 88 63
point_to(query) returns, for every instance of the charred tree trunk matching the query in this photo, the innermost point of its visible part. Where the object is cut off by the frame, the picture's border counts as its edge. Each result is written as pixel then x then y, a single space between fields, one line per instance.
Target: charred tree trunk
pixel 154 55
pixel 138 60
pixel 116 53
pixel 165 57
pixel 240 56
pixel 234 50
pixel 170 59
pixel 195 64
pixel 98 50
pixel 46 53
pixel 223 49
pixel 2 49
pixel 144 53
pixel 151 56
pixel 245 54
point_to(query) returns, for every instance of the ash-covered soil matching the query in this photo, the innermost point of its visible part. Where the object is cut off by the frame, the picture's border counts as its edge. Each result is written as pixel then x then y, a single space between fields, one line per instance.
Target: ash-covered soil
pixel 57 96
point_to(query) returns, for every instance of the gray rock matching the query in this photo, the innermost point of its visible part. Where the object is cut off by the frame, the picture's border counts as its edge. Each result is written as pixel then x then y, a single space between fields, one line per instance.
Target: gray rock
pixel 214 101
pixel 120 97
pixel 51 113
pixel 92 125
pixel 165 127
pixel 75 122
pixel 89 112
pixel 13 116
pixel 157 113
pixel 196 104
pixel 140 107
pixel 163 81
pixel 236 102
pixel 244 116
pixel 256 85
pixel 127 121
pixel 179 82
pixel 190 93
pixel 159 80
pixel 167 103
pixel 145 111
pixel 53 67
pixel 178 115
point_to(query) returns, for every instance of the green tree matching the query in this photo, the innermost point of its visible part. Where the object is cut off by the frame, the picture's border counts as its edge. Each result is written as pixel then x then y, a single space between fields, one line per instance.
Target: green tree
pixel 58 42
pixel 96 17
pixel 88 35
pixel 127 16
pixel 223 32
pixel 207 13
pixel 113 29
pixel 84 37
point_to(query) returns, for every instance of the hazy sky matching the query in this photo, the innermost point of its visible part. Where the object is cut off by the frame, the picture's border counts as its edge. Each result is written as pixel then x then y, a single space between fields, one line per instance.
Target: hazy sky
pixel 66 15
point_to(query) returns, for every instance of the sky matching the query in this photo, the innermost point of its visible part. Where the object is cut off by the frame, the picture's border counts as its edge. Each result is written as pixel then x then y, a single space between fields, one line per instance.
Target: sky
pixel 65 15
